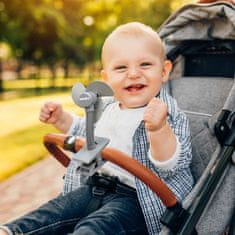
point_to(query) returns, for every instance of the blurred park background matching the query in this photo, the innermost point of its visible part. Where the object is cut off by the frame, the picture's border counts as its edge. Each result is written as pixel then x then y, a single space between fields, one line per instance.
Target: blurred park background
pixel 45 47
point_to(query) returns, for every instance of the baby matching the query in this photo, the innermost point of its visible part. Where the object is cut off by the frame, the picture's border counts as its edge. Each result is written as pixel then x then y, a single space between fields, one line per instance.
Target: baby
pixel 143 121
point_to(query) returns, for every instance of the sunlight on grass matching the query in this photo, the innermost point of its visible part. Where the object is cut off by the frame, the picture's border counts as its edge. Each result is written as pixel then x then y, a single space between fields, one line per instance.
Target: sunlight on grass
pixel 44 83
pixel 21 113
pixel 22 148
pixel 21 133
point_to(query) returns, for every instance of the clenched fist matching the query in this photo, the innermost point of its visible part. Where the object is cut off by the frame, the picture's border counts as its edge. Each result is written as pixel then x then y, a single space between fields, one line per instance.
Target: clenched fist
pixel 155 115
pixel 51 112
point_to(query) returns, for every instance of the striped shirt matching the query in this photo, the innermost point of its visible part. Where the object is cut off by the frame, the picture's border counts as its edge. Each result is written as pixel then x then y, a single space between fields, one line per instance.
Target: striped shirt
pixel 179 178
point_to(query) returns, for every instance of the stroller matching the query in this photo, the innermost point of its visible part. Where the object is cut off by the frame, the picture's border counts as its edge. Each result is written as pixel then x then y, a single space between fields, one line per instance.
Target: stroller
pixel 200 40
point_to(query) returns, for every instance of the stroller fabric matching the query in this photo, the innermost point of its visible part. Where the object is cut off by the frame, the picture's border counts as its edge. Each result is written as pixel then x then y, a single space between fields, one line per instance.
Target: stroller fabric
pixel 204 29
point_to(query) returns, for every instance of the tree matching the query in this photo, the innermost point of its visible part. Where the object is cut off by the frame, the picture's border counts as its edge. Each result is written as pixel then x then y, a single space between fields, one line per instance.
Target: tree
pixel 69 45
pixel 70 31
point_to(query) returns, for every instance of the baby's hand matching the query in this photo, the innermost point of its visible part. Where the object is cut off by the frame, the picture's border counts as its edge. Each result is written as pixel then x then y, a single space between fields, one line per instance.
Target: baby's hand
pixel 51 112
pixel 155 115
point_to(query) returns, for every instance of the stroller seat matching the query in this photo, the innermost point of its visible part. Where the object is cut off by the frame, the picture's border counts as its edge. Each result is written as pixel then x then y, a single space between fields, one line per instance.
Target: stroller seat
pixel 200 40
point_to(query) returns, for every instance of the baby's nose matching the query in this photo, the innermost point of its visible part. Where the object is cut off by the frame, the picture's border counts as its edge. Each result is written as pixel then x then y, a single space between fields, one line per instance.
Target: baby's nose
pixel 134 73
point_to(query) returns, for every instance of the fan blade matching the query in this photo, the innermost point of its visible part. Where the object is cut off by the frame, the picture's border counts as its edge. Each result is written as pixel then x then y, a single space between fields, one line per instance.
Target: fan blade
pixel 101 104
pixel 100 88
pixel 77 90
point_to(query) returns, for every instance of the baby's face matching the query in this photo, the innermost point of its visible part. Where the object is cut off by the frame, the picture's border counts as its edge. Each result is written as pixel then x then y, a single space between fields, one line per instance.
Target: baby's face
pixel 134 70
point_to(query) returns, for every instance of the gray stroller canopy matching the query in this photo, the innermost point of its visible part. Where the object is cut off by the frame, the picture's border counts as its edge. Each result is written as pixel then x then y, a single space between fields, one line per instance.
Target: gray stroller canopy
pixel 199 22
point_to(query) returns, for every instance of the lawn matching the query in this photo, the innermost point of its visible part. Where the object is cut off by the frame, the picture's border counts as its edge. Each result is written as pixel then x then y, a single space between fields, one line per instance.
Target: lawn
pixel 44 83
pixel 21 132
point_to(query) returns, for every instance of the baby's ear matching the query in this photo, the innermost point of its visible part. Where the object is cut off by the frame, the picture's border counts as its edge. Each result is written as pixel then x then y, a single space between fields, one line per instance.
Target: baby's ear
pixel 167 67
pixel 104 75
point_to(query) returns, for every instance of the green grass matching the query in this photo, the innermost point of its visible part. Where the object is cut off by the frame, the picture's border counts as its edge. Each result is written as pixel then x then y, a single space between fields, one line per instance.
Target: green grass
pixel 21 133
pixel 23 112
pixel 44 83
pixel 22 148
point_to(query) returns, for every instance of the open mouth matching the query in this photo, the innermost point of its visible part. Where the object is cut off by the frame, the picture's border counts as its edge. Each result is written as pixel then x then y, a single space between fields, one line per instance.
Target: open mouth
pixel 135 87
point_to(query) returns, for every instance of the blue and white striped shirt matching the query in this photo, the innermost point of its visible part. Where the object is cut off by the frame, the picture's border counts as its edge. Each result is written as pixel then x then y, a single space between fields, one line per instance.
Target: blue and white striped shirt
pixel 179 179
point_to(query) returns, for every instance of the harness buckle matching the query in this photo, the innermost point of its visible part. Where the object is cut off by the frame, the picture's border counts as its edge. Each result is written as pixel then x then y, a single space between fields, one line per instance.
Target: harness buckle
pixel 98 191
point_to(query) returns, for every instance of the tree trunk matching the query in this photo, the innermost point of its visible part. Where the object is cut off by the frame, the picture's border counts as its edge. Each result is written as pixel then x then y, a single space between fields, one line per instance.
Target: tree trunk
pixel 37 76
pixel 66 69
pixel 53 74
pixel 1 78
pixel 19 69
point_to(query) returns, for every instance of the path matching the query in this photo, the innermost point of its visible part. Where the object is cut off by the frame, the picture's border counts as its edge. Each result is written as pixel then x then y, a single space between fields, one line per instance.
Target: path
pixel 30 188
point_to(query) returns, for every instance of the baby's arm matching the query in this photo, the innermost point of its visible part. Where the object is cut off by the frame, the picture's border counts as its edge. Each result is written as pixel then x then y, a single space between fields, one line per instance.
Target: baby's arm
pixel 3 232
pixel 53 113
pixel 161 137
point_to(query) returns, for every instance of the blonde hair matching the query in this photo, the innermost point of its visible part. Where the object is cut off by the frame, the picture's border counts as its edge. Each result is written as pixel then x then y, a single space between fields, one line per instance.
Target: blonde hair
pixel 135 29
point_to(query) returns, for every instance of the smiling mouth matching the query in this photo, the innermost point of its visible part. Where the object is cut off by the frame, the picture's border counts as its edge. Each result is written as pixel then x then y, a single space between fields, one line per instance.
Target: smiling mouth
pixel 135 87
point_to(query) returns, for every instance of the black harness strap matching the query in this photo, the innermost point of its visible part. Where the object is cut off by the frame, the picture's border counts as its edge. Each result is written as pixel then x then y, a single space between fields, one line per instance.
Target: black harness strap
pixel 100 186
pixel 97 198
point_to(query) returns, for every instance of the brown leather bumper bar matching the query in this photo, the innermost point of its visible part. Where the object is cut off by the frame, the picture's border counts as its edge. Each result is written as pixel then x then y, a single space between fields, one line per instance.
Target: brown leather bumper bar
pixel 52 141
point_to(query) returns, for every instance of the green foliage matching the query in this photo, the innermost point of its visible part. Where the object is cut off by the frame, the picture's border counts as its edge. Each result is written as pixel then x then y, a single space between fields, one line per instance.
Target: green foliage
pixel 45 31
pixel 64 32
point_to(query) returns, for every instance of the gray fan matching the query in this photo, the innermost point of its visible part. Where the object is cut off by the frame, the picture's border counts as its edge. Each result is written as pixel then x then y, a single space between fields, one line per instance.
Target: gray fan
pixel 90 99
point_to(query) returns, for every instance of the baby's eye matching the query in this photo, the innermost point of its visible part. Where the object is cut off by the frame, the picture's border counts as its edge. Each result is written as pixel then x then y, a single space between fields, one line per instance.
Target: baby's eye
pixel 120 68
pixel 145 64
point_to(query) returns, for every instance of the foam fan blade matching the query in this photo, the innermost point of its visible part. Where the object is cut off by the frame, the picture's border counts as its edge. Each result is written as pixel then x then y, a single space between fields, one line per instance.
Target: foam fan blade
pixel 77 90
pixel 103 92
pixel 100 88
